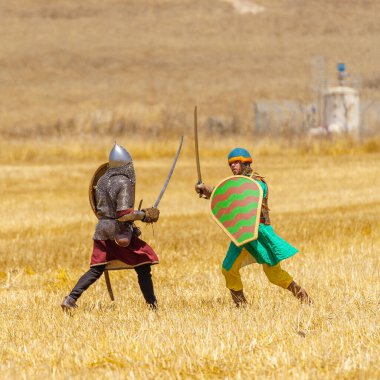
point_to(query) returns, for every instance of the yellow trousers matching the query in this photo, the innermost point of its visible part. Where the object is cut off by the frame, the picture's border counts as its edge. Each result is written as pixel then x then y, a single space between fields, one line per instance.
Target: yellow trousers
pixel 275 274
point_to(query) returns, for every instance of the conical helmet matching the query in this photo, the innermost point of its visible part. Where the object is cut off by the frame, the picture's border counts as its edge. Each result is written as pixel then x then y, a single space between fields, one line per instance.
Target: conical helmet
pixel 119 156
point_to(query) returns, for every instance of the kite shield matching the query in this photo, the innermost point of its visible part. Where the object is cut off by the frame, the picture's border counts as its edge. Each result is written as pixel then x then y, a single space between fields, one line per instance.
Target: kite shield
pixel 235 206
pixel 92 188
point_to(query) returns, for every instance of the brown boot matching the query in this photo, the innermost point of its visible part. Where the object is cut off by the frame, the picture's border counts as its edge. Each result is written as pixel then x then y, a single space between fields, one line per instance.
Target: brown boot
pixel 300 293
pixel 68 304
pixel 238 297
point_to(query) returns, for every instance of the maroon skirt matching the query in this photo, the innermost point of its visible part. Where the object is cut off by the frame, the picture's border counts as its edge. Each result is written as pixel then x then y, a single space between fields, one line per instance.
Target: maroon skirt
pixel 137 253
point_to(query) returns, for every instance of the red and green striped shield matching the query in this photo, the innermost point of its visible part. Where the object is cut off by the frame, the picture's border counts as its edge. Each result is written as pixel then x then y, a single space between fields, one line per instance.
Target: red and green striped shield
pixel 235 207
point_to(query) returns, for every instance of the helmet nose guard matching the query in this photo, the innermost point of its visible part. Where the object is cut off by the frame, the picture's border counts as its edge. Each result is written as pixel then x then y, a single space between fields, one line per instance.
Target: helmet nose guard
pixel 119 156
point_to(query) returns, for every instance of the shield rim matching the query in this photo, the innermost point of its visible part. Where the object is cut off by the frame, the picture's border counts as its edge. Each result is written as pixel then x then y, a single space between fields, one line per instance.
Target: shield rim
pixel 239 244
pixel 92 186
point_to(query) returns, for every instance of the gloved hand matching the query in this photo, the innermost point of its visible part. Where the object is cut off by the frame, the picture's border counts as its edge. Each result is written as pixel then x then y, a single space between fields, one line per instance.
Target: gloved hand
pixel 151 214
pixel 204 190
pixel 198 187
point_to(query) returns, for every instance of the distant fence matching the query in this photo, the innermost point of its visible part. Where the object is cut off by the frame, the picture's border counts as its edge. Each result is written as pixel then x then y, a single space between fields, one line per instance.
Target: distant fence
pixel 272 116
pixel 290 117
pixel 369 117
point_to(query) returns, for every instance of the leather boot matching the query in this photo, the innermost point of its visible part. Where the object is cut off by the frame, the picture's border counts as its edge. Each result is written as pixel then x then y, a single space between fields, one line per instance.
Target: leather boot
pixel 153 306
pixel 238 297
pixel 300 293
pixel 68 304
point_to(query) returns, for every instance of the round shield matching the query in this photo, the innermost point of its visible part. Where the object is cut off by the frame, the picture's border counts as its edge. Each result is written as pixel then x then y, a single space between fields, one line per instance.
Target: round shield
pixel 92 188
pixel 235 206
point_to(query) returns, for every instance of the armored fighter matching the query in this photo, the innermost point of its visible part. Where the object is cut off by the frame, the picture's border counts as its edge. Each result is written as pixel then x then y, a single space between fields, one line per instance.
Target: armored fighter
pixel 116 236
pixel 267 249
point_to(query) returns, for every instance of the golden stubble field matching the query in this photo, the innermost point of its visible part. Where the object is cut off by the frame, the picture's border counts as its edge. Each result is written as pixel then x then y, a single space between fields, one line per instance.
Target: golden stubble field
pixel 325 205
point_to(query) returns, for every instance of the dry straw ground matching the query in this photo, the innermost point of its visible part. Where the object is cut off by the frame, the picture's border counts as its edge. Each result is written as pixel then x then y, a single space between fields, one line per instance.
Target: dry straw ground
pixel 134 70
pixel 325 205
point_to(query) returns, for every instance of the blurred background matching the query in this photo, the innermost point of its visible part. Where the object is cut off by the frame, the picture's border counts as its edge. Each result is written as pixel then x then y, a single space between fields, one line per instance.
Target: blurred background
pixel 260 68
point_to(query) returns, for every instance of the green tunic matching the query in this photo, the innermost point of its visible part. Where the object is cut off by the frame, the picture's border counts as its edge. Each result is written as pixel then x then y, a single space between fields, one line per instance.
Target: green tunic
pixel 269 248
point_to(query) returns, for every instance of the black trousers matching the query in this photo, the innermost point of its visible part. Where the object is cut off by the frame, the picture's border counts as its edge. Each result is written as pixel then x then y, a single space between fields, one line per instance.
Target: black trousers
pixel 144 278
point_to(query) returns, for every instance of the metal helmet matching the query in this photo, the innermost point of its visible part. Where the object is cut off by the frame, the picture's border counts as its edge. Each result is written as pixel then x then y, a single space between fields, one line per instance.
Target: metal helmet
pixel 119 156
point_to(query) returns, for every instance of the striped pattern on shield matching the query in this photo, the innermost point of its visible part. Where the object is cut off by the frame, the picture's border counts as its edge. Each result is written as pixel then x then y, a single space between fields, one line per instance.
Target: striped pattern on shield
pixel 236 206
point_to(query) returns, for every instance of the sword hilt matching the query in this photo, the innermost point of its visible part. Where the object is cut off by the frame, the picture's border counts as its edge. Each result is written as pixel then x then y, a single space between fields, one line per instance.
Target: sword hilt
pixel 201 195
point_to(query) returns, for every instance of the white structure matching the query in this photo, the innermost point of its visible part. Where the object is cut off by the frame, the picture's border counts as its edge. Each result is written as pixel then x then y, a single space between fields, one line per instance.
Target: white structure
pixel 341 110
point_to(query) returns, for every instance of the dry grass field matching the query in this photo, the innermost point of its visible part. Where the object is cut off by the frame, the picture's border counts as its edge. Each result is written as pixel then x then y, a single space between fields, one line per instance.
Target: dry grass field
pixel 325 205
pixel 75 76
pixel 75 66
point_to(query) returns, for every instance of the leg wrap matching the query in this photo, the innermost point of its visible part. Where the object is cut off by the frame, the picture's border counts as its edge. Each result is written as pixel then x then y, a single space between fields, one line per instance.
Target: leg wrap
pixel 144 278
pixel 86 280
pixel 238 298
pixel 300 293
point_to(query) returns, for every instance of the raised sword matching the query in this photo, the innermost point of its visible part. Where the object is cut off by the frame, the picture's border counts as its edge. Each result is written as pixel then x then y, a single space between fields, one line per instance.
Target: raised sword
pixel 155 205
pixel 201 195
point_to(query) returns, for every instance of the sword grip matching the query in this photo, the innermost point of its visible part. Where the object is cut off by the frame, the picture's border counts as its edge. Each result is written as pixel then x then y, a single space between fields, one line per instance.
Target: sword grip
pixel 200 194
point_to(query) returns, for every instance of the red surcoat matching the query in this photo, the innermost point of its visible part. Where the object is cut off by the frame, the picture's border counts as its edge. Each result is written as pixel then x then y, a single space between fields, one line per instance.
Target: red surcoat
pixel 137 253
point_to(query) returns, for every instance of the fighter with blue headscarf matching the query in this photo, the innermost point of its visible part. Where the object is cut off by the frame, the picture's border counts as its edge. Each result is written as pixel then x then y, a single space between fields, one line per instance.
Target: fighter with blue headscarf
pixel 268 250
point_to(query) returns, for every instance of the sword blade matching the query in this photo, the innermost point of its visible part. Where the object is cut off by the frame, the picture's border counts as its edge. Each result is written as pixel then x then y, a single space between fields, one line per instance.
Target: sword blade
pixel 196 146
pixel 169 175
